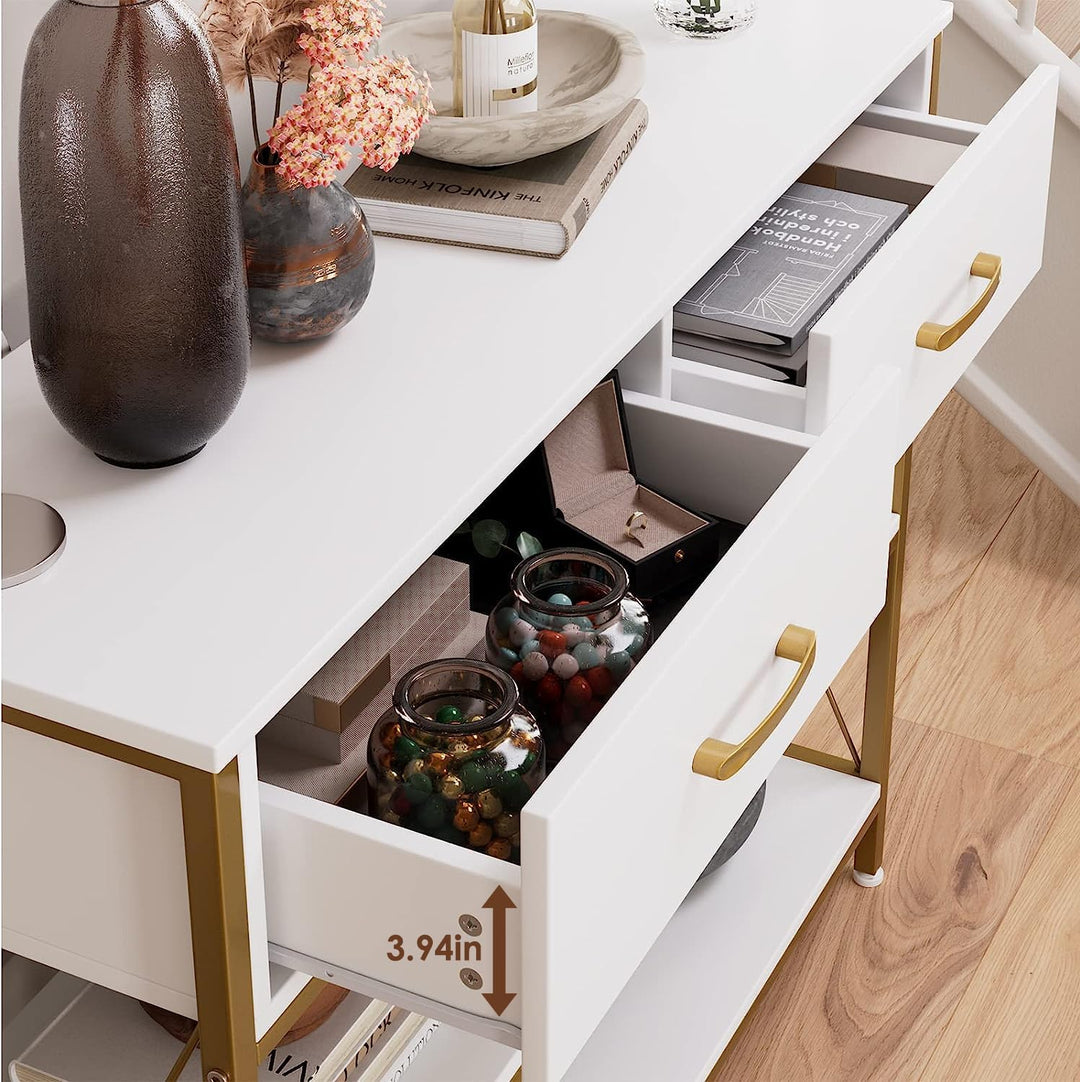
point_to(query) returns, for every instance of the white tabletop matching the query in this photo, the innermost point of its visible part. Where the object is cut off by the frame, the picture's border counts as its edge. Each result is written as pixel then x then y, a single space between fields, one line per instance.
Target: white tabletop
pixel 192 602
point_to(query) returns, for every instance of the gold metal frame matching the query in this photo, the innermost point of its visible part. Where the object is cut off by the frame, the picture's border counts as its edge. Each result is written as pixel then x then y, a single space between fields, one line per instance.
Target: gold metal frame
pixel 217 899
pixel 821 758
pixel 935 74
pixel 304 999
pixel 881 677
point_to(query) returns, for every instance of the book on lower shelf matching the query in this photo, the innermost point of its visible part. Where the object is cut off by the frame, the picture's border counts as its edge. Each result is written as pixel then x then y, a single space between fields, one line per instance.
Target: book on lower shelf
pixel 779 278
pixel 399 1051
pixel 98 1035
pixel 536 207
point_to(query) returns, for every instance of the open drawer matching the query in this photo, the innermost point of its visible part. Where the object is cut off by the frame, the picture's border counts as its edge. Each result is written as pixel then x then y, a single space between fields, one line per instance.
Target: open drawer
pixel 955 267
pixel 617 834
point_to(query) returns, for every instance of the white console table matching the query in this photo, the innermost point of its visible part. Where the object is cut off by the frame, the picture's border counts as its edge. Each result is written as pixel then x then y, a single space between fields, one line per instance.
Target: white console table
pixel 140 850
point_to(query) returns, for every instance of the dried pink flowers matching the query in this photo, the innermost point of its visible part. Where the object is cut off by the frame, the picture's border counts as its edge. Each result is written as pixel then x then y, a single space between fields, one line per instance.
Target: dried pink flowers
pixel 375 106
pixel 371 106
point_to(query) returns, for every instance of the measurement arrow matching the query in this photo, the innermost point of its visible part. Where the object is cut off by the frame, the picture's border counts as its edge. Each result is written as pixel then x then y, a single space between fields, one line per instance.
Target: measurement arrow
pixel 499 903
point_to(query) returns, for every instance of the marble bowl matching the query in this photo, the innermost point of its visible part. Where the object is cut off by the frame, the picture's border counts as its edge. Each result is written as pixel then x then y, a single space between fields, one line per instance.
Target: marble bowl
pixel 589 69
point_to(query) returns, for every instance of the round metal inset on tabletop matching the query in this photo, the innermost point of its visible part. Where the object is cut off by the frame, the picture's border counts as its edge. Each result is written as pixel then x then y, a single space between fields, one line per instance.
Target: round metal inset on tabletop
pixel 34 538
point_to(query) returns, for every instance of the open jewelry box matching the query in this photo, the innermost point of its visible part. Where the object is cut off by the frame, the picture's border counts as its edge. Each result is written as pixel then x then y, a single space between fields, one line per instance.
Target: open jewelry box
pixel 598 501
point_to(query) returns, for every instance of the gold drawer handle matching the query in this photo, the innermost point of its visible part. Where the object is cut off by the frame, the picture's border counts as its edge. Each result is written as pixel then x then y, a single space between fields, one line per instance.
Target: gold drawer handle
pixel 717 759
pixel 937 335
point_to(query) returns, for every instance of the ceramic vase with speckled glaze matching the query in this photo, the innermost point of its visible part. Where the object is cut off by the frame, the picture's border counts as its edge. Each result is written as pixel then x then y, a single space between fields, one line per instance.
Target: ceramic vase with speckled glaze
pixel 130 194
pixel 309 254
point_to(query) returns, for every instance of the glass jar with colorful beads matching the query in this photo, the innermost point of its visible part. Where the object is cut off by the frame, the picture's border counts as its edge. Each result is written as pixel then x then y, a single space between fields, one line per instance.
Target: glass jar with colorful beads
pixel 569 633
pixel 457 756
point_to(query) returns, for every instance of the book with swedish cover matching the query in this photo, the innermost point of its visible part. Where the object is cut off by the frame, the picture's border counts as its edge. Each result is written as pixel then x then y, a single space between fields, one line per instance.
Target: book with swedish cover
pixel 779 278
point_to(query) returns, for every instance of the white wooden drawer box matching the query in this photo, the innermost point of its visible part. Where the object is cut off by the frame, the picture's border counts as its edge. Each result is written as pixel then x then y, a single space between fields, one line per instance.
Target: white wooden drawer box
pixel 988 195
pixel 615 838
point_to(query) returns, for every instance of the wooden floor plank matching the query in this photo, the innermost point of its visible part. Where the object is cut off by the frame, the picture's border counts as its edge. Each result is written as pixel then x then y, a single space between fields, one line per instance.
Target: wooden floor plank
pixel 1019 1020
pixel 873 979
pixel 1004 664
pixel 1059 20
pixel 966 480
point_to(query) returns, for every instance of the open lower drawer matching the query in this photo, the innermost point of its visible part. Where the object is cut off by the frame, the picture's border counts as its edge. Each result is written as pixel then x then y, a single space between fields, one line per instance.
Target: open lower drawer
pixel 973 190
pixel 617 834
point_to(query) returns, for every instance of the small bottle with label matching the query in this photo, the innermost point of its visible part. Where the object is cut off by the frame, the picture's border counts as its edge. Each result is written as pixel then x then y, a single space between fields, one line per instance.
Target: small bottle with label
pixel 495 57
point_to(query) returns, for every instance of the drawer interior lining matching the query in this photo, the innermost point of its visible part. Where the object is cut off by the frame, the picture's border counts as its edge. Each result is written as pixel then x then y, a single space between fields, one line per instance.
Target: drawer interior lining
pixel 748 460
pixel 893 154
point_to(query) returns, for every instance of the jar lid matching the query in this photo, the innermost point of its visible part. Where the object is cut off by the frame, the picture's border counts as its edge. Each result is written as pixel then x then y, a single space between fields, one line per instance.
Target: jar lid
pixel 443 681
pixel 605 572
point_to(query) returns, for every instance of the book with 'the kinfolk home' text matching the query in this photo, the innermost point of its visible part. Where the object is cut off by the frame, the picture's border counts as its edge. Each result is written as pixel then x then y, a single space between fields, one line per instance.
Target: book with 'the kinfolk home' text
pixel 773 285
pixel 537 207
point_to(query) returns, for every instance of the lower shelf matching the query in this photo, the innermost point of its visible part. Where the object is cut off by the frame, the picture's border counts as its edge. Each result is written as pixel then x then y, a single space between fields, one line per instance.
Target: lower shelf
pixel 688 996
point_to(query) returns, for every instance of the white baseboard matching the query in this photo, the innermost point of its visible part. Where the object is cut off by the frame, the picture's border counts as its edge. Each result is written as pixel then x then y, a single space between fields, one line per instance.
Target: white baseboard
pixel 1022 430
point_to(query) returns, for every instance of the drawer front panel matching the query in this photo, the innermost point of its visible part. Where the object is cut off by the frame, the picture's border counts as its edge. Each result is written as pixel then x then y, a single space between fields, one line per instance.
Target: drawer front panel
pixel 339 885
pixel 95 879
pixel 993 200
pixel 616 836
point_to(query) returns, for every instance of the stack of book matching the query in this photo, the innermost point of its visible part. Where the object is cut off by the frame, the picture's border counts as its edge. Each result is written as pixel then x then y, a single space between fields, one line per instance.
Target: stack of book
pixel 97 1035
pixel 753 310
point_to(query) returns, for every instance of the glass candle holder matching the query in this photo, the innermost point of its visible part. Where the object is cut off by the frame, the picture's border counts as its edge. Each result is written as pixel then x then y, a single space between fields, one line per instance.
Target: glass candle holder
pixel 705 18
pixel 457 756
pixel 569 633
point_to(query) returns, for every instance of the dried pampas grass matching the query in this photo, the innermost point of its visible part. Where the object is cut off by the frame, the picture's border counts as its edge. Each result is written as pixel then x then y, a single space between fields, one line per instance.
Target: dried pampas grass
pixel 257 39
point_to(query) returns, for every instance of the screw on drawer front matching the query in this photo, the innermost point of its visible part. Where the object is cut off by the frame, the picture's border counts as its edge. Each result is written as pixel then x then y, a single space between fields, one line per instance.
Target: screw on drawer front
pixel 469 924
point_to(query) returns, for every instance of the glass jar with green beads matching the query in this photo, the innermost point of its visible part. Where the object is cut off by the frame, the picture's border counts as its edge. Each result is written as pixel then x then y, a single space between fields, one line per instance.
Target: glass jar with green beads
pixel 457 756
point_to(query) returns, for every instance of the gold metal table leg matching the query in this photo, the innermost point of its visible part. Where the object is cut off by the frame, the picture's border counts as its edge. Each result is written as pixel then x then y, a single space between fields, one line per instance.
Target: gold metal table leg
pixel 885 631
pixel 217 897
pixel 881 678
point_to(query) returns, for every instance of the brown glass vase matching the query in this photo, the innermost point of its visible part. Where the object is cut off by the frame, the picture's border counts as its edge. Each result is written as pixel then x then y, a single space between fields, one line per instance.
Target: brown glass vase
pixel 131 219
pixel 309 253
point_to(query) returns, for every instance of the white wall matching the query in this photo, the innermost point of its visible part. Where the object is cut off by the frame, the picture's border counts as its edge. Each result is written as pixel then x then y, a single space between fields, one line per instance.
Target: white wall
pixel 1026 380
pixel 19 17
pixel 17 21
